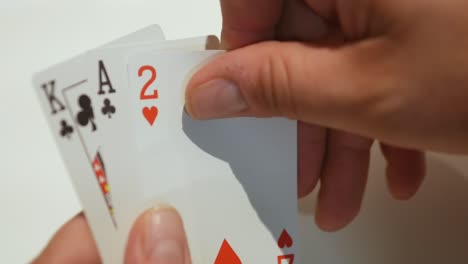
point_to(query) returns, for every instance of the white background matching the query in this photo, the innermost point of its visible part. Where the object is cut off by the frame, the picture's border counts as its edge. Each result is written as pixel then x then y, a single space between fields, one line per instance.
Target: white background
pixel 35 193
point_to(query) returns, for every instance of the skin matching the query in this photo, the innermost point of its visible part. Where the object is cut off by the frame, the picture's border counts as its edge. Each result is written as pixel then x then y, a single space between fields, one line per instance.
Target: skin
pixel 394 71
pixel 74 244
pixel 390 70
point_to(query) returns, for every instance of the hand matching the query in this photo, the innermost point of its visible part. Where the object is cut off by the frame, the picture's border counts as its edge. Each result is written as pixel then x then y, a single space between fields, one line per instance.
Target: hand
pixel 157 237
pixel 392 70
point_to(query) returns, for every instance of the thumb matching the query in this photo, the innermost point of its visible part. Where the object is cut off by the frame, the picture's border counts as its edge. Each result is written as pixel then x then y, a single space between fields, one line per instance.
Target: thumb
pixel 322 85
pixel 158 237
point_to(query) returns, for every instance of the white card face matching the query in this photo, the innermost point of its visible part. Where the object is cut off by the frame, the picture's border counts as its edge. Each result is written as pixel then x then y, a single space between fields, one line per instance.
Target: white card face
pixel 90 110
pixel 240 173
pixel 108 87
pixel 58 88
pixel 152 32
pixel 102 101
pixel 107 68
pixel 254 196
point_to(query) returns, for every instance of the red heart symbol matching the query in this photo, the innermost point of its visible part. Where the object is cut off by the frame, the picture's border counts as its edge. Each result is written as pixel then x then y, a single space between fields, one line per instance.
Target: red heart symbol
pixel 150 114
pixel 285 240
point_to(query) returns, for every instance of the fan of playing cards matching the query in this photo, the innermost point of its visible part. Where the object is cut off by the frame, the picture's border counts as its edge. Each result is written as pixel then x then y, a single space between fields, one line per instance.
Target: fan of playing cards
pixel 117 113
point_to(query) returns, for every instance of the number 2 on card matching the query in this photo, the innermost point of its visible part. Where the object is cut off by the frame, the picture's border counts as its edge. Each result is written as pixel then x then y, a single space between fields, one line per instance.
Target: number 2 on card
pixel 149 113
pixel 143 94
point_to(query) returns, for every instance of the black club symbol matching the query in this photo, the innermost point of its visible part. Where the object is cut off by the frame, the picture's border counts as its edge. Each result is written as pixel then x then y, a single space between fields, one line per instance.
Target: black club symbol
pixel 108 109
pixel 86 115
pixel 66 129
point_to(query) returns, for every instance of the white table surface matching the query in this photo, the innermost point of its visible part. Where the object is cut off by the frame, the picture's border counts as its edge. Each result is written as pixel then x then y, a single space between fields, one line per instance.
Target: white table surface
pixel 36 196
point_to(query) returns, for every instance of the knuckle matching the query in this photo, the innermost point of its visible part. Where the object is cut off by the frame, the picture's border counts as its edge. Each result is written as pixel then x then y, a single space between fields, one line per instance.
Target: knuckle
pixel 275 91
pixel 371 94
pixel 350 142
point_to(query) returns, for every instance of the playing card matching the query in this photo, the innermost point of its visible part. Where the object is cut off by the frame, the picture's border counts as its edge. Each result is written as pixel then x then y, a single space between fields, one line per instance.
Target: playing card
pixel 68 118
pixel 108 77
pixel 239 174
pixel 105 102
pixel 108 84
pixel 253 197
pixel 151 32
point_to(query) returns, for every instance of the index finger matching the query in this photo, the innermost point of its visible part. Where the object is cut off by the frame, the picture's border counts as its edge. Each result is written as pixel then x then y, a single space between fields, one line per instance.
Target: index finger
pixel 72 244
pixel 248 21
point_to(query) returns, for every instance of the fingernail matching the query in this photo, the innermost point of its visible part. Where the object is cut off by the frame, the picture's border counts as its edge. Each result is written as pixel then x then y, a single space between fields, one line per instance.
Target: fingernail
pixel 164 240
pixel 215 99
